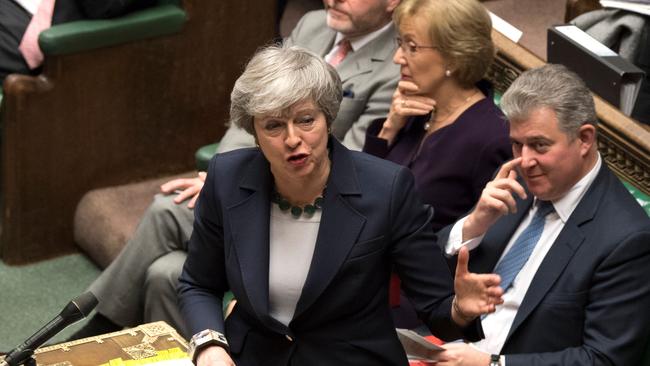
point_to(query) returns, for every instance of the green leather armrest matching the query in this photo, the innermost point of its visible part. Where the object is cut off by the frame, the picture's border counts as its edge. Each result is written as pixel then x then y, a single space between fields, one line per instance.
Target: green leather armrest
pixel 640 197
pixel 82 35
pixel 203 156
pixel 227 298
pixel 497 98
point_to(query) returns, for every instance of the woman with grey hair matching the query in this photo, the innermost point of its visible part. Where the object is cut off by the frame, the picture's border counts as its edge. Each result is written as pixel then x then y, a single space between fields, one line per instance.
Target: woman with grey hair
pixel 304 233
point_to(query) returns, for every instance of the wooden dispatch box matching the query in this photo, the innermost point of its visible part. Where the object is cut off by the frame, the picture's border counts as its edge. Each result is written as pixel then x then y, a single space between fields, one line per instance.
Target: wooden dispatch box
pixel 131 344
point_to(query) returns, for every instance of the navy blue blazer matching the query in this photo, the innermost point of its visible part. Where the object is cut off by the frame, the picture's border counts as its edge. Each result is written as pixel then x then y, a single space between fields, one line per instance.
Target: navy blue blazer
pixel 371 220
pixel 588 301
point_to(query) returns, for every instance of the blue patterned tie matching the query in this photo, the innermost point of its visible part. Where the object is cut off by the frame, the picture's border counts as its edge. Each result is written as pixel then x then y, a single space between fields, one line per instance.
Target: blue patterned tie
pixel 520 251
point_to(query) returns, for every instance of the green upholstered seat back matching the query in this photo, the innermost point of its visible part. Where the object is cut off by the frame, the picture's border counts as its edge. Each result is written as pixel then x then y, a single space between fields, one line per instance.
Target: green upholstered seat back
pixel 642 198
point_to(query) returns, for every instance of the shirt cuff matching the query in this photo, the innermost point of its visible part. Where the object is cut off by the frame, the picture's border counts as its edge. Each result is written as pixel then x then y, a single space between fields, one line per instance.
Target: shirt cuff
pixel 455 240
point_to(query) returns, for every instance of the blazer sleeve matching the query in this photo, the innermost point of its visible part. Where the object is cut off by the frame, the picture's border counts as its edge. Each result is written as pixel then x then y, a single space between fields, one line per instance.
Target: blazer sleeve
pixel 421 267
pixel 616 326
pixel 375 145
pixel 203 280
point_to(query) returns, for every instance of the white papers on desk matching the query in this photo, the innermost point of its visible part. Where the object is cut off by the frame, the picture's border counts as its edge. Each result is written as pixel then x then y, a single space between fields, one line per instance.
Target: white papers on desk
pixel 505 28
pixel 585 40
pixel 639 6
pixel 416 346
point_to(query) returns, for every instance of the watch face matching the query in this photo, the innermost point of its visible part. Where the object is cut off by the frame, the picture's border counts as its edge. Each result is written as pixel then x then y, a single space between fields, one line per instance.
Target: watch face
pixel 202 333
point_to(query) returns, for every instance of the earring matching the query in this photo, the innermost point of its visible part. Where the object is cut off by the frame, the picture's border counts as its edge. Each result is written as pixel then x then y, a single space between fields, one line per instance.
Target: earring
pixel 329 130
pixel 447 73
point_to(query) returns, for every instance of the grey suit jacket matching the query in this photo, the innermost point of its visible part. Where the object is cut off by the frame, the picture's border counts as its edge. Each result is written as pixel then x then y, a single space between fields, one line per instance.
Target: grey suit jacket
pixel 369 79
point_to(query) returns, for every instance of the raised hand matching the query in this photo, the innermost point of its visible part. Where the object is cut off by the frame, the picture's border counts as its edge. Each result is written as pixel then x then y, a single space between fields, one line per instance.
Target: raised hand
pixel 476 294
pixel 406 102
pixel 187 187
pixel 496 200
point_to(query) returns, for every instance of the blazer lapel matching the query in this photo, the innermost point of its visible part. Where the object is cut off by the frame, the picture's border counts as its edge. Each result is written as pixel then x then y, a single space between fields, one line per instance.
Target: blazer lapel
pixel 323 41
pixel 339 229
pixel 249 224
pixel 562 250
pixel 361 61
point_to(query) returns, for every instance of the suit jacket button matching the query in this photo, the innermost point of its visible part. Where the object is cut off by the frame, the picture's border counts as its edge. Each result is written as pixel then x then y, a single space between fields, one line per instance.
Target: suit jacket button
pixel 288 337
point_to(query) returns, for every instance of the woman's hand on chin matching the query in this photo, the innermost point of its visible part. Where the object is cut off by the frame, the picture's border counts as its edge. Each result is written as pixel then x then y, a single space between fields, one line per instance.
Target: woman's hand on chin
pixel 406 103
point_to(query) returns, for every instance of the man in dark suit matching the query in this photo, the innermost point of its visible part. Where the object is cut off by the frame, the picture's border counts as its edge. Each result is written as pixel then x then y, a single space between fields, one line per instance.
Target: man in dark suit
pixel 575 276
pixel 14 19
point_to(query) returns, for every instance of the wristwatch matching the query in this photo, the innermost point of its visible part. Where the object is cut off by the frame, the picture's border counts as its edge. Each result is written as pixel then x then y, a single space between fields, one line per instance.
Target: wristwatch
pixel 495 360
pixel 205 338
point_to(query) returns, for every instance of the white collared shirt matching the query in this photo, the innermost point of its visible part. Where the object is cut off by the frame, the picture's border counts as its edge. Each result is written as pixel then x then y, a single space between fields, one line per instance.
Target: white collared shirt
pixel 496 326
pixel 356 42
pixel 30 5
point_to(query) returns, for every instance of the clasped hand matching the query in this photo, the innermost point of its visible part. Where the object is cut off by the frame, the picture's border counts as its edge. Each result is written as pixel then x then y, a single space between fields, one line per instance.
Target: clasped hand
pixel 406 103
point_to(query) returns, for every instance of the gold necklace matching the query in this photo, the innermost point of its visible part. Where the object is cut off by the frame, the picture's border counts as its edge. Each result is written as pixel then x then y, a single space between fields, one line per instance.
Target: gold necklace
pixel 433 118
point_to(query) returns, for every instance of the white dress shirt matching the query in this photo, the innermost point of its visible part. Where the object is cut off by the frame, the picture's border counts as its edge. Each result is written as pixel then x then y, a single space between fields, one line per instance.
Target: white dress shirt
pixel 30 5
pixel 496 326
pixel 356 42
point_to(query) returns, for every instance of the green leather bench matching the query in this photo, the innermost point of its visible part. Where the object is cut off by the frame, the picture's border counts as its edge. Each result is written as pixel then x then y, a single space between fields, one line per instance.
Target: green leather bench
pixel 118 101
pixel 84 35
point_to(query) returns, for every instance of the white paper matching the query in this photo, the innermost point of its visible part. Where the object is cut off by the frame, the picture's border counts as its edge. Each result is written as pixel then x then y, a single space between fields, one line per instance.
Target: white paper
pixel 505 28
pixel 416 346
pixel 633 7
pixel 30 5
pixel 585 40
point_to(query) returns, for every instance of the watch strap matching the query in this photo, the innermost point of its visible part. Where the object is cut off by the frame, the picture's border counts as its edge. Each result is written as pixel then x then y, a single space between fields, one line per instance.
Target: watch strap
pixel 495 360
pixel 204 339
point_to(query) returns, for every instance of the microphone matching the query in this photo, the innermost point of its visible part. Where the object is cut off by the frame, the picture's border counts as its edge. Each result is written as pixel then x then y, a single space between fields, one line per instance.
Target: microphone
pixel 76 310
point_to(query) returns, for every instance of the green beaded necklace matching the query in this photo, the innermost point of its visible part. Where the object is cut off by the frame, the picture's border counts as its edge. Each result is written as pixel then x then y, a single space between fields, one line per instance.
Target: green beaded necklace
pixel 297 211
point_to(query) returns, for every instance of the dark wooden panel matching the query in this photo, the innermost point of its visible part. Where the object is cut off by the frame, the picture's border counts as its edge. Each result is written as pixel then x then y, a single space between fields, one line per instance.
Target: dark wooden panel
pixel 117 115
